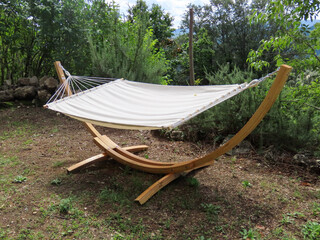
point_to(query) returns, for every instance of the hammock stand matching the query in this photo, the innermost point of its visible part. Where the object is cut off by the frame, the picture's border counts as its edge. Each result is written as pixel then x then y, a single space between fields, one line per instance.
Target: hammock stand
pixel 171 170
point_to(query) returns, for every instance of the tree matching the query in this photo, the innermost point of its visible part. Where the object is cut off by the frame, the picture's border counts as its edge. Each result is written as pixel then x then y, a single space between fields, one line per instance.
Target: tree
pixel 222 34
pixel 34 33
pixel 154 18
pixel 291 42
pixel 125 49
pixel 298 45
pixel 13 31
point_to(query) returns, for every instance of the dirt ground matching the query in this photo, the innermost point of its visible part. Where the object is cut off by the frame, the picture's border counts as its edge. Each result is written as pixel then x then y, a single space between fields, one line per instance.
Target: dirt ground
pixel 239 197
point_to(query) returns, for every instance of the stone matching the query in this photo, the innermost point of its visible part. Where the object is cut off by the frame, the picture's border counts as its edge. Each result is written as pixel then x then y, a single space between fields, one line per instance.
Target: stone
pixel 176 135
pixel 34 81
pixel 6 96
pixel 23 81
pixel 44 95
pixel 51 84
pixel 25 93
pixel 300 159
pixel 243 148
pixel 41 81
pixel 8 82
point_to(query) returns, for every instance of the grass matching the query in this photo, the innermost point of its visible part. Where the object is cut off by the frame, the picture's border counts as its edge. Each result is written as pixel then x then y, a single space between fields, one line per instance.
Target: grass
pixel 20 129
pixel 249 234
pixel 99 204
pixel 315 208
pixel 19 179
pixel 212 211
pixel 8 161
pixel 311 230
pixel 58 164
pixel 56 182
pixel 193 182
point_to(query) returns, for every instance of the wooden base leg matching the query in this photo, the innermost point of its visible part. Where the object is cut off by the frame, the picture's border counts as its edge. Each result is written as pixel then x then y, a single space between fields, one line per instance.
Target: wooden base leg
pixel 154 188
pixel 101 157
pixel 95 159
pixel 162 182
pixel 137 148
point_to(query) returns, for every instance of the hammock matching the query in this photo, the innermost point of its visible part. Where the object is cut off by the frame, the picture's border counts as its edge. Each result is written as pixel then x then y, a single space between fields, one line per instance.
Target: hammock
pixel 134 105
pixel 125 104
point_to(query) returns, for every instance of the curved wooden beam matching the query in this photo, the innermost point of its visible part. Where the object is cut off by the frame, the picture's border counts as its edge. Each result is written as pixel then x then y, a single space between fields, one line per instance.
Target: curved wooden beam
pixel 138 163
pixel 256 118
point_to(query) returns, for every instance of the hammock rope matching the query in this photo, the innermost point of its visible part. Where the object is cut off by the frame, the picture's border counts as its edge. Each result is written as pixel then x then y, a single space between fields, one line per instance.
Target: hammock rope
pixel 77 84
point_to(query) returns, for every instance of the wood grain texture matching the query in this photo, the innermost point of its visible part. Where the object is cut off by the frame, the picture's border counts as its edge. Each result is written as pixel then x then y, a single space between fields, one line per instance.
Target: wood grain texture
pixel 101 157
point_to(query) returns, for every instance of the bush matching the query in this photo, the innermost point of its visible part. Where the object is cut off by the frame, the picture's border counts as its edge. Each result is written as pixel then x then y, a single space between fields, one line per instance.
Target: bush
pixel 292 123
pixel 127 51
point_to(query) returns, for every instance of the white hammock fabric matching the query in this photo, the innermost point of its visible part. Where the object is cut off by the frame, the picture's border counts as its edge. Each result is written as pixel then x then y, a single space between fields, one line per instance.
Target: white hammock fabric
pixel 134 105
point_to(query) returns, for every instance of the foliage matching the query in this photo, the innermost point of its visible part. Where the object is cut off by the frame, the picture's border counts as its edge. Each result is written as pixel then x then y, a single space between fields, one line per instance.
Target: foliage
pixel 34 33
pixel 311 230
pixel 65 205
pixel 56 181
pixel 230 115
pixel 292 41
pixel 298 45
pixel 193 182
pixel 249 234
pixel 222 35
pixel 19 179
pixel 129 53
pixel 154 18
pixel 246 184
pixel 124 49
pixel 291 123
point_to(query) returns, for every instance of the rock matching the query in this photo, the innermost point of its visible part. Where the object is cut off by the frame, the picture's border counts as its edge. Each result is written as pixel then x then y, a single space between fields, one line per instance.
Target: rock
pixel 230 152
pixel 271 154
pixel 315 167
pixel 176 135
pixel 51 84
pixel 6 96
pixel 25 93
pixel 41 81
pixel 33 81
pixel 306 159
pixel 300 159
pixel 7 83
pixel 23 81
pixel 243 148
pixel 44 95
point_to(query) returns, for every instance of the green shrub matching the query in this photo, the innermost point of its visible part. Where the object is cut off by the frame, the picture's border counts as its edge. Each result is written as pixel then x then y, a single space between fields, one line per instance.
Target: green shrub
pixel 292 123
pixel 127 50
pixel 65 205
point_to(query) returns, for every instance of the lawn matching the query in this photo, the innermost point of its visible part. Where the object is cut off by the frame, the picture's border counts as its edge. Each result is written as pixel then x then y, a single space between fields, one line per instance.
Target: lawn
pixel 239 197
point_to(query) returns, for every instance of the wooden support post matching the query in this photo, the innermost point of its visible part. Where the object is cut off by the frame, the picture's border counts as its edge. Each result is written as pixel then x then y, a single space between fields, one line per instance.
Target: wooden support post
pixel 62 77
pixel 191 48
